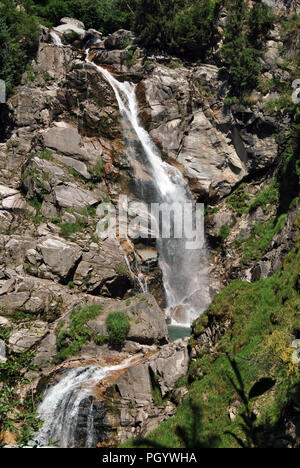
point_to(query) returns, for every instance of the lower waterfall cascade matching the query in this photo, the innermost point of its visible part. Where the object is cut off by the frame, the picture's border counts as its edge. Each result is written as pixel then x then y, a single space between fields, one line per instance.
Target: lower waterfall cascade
pixel 60 408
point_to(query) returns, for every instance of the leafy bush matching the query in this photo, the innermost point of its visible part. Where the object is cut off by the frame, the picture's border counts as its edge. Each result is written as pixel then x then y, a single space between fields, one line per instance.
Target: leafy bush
pixel 260 22
pixel 184 28
pixel 118 326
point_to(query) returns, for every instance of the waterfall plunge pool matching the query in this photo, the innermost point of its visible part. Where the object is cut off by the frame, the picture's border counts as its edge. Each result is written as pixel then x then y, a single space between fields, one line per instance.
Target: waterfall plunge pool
pixel 176 332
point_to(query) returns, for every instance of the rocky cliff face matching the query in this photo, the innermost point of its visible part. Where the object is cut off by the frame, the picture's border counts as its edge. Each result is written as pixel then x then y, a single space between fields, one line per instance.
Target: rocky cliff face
pixel 62 154
pixel 278 5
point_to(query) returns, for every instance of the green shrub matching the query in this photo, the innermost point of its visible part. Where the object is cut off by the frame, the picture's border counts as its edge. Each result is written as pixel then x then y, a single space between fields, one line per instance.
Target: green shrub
pixel 71 37
pixel 19 418
pixel 260 23
pixel 67 229
pixel 118 326
pixel 222 235
pixel 188 29
pixel 130 59
pixel 106 16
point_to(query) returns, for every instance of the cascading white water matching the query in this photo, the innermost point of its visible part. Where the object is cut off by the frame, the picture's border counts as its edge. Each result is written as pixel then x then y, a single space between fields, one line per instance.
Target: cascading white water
pixel 56 39
pixel 61 406
pixel 185 272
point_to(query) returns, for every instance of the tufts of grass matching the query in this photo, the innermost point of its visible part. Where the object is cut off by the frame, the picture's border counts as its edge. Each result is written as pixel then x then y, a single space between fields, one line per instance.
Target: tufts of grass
pixel 71 339
pixel 47 155
pixel 268 197
pixel 257 244
pixel 97 171
pixel 238 200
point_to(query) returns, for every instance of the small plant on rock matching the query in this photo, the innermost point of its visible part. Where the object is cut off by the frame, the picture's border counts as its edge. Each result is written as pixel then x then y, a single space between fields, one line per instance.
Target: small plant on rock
pixel 118 326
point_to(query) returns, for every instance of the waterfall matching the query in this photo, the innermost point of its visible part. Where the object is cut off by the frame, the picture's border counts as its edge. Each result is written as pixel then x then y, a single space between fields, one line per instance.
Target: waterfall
pixel 56 39
pixel 185 272
pixel 62 407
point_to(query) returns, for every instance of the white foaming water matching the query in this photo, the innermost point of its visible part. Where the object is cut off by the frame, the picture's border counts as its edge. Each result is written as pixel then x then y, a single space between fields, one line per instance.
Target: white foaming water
pixel 185 272
pixel 60 408
pixel 56 39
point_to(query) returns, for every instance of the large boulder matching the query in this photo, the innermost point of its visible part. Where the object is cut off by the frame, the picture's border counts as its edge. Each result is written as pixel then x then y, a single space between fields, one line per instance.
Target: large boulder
pixel 11 199
pixel 59 256
pixel 63 138
pixel 163 369
pixel 73 21
pixel 70 195
pixel 120 40
pixel 147 321
pixel 26 335
pixel 278 5
pixel 104 271
pixel 70 28
pixel 134 407
pixel 170 365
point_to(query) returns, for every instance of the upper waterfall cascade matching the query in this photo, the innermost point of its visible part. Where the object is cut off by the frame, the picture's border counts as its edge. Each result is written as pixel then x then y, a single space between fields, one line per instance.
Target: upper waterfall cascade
pixel 185 272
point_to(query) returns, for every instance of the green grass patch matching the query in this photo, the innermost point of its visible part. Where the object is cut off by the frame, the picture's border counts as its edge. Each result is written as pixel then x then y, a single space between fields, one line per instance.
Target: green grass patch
pixel 71 339
pixel 68 229
pixel 268 197
pixel 257 244
pixel 46 155
pixel 238 201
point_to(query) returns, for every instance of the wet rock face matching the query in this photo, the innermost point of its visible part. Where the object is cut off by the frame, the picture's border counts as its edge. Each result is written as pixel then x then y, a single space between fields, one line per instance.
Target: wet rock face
pixel 91 428
pixel 132 409
pixel 216 148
